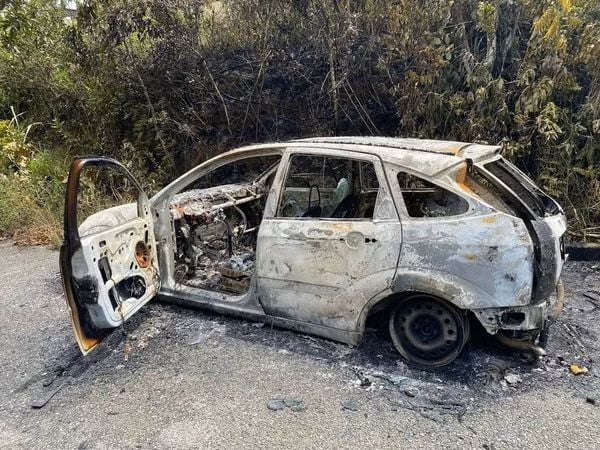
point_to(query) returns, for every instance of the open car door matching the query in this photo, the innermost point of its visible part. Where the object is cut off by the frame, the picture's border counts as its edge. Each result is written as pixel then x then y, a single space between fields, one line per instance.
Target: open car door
pixel 109 262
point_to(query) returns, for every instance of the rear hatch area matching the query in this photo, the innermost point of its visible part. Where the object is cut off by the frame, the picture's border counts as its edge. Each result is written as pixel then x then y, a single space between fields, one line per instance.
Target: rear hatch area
pixel 516 194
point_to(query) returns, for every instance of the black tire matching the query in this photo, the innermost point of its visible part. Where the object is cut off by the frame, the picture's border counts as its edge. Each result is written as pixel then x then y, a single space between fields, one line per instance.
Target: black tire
pixel 427 331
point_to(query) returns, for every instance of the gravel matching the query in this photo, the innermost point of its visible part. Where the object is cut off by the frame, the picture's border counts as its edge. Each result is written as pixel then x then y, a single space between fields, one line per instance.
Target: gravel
pixel 195 379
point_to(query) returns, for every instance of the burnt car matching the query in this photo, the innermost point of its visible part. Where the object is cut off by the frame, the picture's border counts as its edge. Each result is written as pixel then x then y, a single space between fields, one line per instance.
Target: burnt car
pixel 317 235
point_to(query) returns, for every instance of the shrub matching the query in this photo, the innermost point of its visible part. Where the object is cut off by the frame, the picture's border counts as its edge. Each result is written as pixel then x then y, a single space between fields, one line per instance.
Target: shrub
pixel 31 188
pixel 166 84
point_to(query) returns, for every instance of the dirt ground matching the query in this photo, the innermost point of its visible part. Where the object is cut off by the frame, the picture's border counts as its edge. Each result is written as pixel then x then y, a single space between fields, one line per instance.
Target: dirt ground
pixel 199 380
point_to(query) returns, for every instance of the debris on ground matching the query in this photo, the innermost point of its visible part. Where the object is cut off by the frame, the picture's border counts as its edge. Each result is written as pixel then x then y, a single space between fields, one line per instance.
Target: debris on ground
pixel 198 339
pixel 593 298
pixel 410 391
pixel 276 405
pixel 512 378
pixel 295 405
pixel 363 381
pixel 483 374
pixel 43 400
pixel 494 371
pixel 577 370
pixel 430 407
pixel 53 376
pixel 126 351
pixel 279 404
pixel 349 405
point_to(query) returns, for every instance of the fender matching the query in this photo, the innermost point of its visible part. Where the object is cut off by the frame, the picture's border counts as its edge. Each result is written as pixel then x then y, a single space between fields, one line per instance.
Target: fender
pixel 456 290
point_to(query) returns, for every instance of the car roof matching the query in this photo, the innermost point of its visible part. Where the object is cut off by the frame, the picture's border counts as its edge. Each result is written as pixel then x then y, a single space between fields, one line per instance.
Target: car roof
pixel 423 156
pixel 426 156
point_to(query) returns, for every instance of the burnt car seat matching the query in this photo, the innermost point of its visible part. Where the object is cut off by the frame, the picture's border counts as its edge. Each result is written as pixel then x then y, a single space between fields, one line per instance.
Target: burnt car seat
pixel 347 207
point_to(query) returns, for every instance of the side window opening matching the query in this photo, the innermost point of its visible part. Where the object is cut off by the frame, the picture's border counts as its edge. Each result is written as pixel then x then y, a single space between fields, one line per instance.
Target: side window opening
pixel 242 172
pixel 425 199
pixel 216 221
pixel 328 187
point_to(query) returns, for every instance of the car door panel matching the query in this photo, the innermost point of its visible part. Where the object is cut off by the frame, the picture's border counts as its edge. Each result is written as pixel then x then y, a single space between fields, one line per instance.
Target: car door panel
pixel 108 263
pixel 323 271
pixel 314 270
pixel 111 254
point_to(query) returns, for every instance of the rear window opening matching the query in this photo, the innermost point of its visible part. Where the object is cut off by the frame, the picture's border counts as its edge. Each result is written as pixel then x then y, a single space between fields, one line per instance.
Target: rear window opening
pixel 525 189
pixel 490 193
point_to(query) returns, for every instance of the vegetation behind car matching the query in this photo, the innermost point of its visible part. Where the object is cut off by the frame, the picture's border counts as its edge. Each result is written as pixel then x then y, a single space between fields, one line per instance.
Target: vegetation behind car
pixel 163 86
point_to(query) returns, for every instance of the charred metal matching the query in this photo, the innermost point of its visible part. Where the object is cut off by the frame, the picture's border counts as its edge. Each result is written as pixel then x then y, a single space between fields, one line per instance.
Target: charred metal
pixel 215 233
pixel 318 235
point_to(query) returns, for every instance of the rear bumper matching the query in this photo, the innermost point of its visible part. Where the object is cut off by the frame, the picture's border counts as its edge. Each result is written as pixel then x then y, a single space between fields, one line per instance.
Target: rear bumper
pixel 520 318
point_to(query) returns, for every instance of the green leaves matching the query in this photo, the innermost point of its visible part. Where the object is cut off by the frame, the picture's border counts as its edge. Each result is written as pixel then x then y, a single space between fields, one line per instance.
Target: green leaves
pixel 165 85
pixel 486 16
pixel 546 122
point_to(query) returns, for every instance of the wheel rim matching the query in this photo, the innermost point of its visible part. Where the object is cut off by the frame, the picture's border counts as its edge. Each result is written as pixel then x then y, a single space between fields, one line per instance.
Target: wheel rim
pixel 428 331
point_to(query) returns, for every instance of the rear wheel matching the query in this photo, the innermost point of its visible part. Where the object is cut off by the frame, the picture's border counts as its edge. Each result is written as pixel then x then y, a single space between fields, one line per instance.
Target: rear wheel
pixel 428 331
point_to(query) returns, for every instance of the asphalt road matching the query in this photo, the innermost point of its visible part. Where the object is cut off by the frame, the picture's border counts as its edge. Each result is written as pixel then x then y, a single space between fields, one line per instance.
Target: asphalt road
pixel 199 380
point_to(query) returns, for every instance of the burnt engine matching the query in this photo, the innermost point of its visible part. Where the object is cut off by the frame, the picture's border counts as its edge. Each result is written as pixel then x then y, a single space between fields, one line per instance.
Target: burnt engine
pixel 216 244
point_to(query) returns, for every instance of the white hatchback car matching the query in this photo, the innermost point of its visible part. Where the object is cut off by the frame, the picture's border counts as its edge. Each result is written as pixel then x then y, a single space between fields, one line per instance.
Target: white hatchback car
pixel 316 235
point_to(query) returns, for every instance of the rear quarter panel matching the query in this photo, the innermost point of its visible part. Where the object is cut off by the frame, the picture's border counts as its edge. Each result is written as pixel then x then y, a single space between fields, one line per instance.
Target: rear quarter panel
pixel 482 258
pixel 482 254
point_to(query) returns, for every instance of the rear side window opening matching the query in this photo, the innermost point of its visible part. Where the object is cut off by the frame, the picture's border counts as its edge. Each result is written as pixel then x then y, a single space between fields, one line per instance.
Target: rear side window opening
pixel 425 199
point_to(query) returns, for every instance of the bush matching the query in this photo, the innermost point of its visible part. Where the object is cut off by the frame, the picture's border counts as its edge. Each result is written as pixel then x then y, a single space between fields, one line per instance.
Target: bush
pixel 165 85
pixel 31 188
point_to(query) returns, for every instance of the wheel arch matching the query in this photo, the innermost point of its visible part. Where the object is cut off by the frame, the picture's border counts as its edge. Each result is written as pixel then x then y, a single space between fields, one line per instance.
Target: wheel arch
pixel 444 286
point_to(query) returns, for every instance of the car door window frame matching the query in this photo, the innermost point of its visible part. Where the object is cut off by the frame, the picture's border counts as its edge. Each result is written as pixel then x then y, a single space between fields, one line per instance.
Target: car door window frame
pixel 383 193
pixel 165 195
pixel 392 171
pixel 71 229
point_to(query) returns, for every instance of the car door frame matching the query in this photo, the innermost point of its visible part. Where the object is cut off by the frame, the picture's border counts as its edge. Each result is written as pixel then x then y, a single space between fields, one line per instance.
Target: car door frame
pixel 166 245
pixel 87 334
pixel 369 287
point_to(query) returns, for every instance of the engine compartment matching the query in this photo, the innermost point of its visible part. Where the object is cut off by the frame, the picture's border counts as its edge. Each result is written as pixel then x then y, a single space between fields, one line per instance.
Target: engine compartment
pixel 215 234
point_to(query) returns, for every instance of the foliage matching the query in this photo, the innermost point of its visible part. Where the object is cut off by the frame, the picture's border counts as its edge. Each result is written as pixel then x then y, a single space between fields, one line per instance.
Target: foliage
pixel 31 183
pixel 165 84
